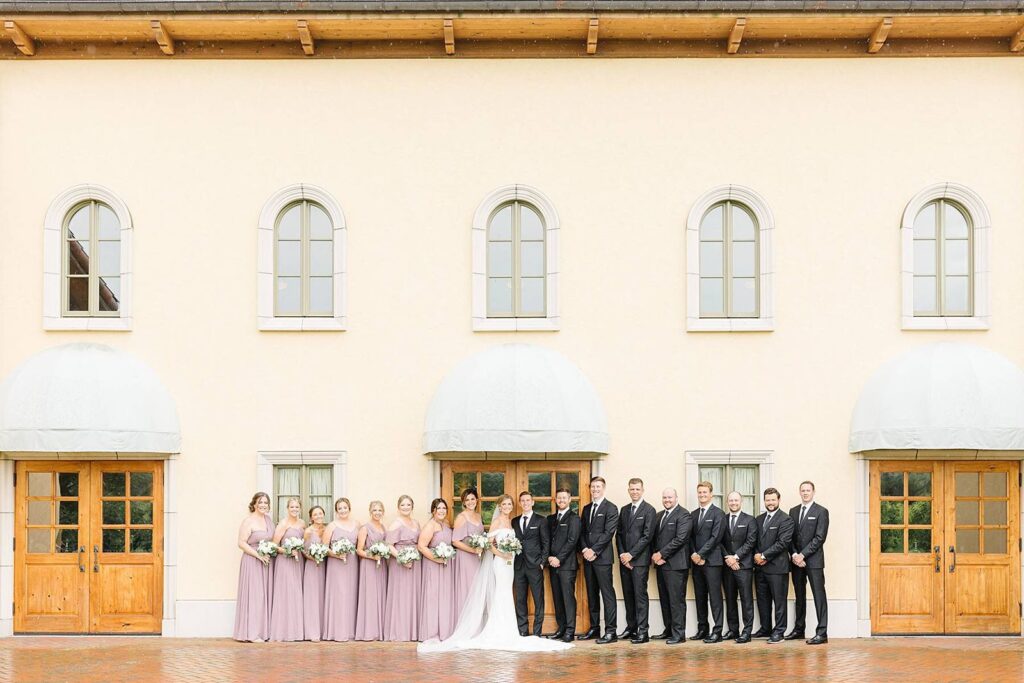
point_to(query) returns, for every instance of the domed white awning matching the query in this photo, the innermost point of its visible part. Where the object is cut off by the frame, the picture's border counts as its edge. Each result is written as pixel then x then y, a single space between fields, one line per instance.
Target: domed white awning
pixel 942 396
pixel 86 398
pixel 516 398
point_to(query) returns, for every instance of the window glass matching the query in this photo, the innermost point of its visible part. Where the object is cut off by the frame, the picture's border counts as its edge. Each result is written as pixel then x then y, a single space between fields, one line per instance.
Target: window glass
pixel 91 261
pixel 304 261
pixel 942 260
pixel 516 262
pixel 729 267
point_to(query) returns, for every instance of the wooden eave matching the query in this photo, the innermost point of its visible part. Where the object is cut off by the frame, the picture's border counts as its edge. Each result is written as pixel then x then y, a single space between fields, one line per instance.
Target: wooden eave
pixel 511 35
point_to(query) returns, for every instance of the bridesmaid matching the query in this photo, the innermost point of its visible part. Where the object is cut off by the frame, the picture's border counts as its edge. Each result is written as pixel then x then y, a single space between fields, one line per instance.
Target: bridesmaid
pixel 313 579
pixel 342 577
pixel 286 615
pixel 255 576
pixel 437 592
pixel 467 561
pixel 373 577
pixel 401 610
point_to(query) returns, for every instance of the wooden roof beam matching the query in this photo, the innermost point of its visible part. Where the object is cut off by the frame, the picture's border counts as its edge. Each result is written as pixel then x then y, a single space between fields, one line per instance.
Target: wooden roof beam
pixel 305 37
pixel 163 38
pixel 592 37
pixel 20 38
pixel 878 37
pixel 449 37
pixel 736 35
pixel 1017 42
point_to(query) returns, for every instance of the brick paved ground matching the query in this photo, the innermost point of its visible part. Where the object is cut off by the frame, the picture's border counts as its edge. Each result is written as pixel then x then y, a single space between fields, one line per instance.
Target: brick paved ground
pixel 900 660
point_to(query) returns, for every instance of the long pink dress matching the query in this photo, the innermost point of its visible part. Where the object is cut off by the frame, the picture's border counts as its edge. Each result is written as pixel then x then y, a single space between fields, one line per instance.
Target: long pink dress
pixel 437 593
pixel 373 586
pixel 466 564
pixel 313 578
pixel 255 588
pixel 401 610
pixel 342 591
pixel 286 613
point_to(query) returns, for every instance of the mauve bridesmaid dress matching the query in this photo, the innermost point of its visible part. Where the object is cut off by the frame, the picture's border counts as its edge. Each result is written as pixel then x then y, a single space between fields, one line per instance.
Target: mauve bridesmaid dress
pixel 341 592
pixel 286 614
pixel 437 593
pixel 466 564
pixel 255 588
pixel 313 578
pixel 401 611
pixel 373 586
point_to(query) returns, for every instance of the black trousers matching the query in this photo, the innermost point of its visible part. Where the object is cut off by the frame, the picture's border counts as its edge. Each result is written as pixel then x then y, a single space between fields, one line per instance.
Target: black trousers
pixel 634 594
pixel 532 578
pixel 739 583
pixel 707 587
pixel 772 589
pixel 598 578
pixel 672 589
pixel 563 594
pixel 801 575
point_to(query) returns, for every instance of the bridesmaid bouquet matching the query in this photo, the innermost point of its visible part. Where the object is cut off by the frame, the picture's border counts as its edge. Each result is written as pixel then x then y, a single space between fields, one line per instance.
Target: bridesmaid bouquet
pixel 318 551
pixel 406 556
pixel 267 548
pixel 443 552
pixel 510 545
pixel 379 551
pixel 290 545
pixel 343 547
pixel 479 542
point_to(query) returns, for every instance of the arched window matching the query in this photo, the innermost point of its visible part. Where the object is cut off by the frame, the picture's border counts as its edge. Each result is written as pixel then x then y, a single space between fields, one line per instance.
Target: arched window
pixel 303 261
pixel 92 261
pixel 515 262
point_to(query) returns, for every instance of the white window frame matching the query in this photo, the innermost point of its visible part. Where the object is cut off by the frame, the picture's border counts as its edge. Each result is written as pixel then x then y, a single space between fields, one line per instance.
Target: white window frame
pixel 764 460
pixel 981 225
pixel 53 255
pixel 266 460
pixel 530 195
pixel 266 320
pixel 755 203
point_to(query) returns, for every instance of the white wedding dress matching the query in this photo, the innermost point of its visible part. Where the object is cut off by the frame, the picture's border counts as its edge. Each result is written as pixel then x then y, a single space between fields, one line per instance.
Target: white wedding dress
pixel 488 620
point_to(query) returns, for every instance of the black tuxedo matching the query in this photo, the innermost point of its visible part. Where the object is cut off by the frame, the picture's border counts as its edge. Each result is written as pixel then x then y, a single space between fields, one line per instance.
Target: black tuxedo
pixel 740 540
pixel 529 570
pixel 634 537
pixel 565 537
pixel 809 540
pixel 598 527
pixel 706 541
pixel 773 541
pixel 672 540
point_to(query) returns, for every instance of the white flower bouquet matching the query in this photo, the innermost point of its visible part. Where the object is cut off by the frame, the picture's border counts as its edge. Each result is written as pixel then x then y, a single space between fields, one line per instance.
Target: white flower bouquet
pixel 290 545
pixel 318 551
pixel 267 549
pixel 379 551
pixel 443 552
pixel 478 542
pixel 510 545
pixel 343 547
pixel 408 555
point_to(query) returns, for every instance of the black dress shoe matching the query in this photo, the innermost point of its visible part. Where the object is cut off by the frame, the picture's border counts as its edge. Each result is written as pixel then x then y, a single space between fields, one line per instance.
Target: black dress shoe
pixel 640 640
pixel 731 635
pixel 607 638
pixel 699 635
pixel 794 635
pixel 557 635
pixel 745 638
pixel 568 637
pixel 627 635
pixel 818 640
pixel 664 635
pixel 589 635
pixel 761 634
pixel 774 639
pixel 675 641
pixel 713 638
pixel 523 634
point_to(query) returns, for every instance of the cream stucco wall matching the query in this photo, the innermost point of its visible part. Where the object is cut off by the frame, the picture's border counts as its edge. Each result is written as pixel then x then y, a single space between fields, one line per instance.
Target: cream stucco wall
pixel 409 148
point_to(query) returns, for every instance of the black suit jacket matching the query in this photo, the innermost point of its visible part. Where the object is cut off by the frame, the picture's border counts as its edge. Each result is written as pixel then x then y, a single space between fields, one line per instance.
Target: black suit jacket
pixel 535 541
pixel 707 536
pixel 742 540
pixel 809 537
pixel 565 536
pixel 598 536
pixel 636 532
pixel 672 538
pixel 773 541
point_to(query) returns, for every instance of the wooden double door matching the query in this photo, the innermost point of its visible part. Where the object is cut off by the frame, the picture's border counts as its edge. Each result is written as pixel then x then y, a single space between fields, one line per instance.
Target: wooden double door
pixel 945 547
pixel 88 547
pixel 541 478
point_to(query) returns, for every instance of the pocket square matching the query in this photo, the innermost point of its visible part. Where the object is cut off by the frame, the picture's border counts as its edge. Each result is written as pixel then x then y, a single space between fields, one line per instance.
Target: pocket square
pixel 600 514
pixel 812 518
pixel 563 524
pixel 772 527
pixel 741 526
pixel 671 524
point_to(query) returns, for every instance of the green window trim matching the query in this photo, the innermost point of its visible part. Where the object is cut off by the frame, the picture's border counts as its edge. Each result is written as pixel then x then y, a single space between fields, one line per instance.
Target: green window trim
pixel 311 484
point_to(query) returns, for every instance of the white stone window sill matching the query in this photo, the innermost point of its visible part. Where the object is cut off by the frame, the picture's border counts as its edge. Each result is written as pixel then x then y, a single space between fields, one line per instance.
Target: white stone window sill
pixel 730 324
pixel 86 323
pixel 516 324
pixel 298 324
pixel 946 323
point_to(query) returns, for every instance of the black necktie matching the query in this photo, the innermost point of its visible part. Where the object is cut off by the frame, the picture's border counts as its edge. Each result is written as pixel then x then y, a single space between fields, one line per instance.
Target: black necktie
pixel 732 523
pixel 593 512
pixel 522 522
pixel 700 517
pixel 803 511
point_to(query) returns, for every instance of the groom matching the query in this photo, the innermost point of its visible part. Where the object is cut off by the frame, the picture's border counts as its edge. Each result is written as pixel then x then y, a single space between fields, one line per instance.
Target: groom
pixel 532 532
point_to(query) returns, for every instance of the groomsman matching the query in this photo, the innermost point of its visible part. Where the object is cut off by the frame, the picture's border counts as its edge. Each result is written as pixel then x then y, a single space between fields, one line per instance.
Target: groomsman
pixel 671 565
pixel 706 545
pixel 532 532
pixel 774 536
pixel 599 522
pixel 808 558
pixel 738 575
pixel 564 528
pixel 636 525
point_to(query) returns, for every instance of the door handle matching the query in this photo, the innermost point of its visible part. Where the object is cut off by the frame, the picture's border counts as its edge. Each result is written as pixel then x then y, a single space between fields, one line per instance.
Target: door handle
pixel 81 564
pixel 938 558
pixel 952 567
pixel 96 559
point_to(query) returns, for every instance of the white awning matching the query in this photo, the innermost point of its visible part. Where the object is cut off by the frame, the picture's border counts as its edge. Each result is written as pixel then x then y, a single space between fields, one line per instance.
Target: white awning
pixel 86 398
pixel 516 398
pixel 942 396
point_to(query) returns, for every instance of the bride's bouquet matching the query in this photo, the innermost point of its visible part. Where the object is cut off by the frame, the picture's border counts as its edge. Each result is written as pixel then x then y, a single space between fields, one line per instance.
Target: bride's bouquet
pixel 343 547
pixel 443 552
pixel 408 555
pixel 478 542
pixel 379 551
pixel 290 545
pixel 318 551
pixel 510 545
pixel 267 549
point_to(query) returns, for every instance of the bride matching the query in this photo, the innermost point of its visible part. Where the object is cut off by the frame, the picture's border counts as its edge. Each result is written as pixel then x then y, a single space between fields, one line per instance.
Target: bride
pixel 488 620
